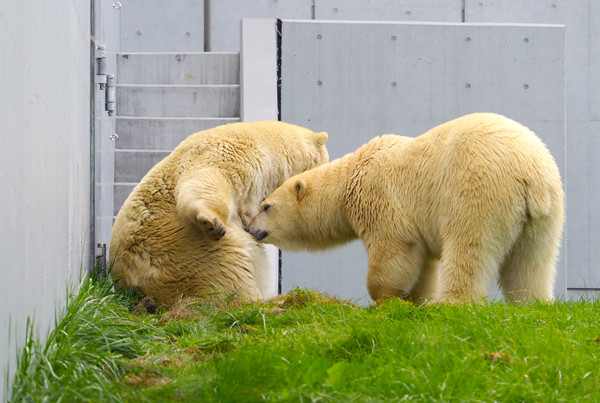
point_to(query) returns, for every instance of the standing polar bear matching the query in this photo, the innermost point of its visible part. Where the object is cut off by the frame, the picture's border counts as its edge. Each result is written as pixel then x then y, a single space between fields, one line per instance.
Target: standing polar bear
pixel 481 194
pixel 180 232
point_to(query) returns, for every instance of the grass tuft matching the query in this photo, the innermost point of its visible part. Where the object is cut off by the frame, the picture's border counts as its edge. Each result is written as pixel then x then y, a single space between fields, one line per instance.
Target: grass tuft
pixel 306 346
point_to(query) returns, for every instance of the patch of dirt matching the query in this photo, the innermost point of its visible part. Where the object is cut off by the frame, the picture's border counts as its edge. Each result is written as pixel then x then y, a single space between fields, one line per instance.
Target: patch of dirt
pixel 146 305
pixel 146 380
pixel 498 357
pixel 164 361
pixel 181 310
pixel 210 350
pixel 199 354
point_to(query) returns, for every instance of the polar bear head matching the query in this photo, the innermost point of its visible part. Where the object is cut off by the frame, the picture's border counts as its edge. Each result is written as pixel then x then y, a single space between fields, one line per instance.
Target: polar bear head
pixel 305 212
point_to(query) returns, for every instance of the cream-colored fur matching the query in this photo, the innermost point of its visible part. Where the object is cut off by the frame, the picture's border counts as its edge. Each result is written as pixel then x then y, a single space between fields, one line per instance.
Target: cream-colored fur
pixel 481 194
pixel 180 233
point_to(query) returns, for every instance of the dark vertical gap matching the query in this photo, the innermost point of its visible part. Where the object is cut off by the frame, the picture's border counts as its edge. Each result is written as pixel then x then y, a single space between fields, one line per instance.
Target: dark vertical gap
pixel 92 244
pixel 279 26
pixel 279 272
pixel 463 11
pixel 278 33
pixel 207 25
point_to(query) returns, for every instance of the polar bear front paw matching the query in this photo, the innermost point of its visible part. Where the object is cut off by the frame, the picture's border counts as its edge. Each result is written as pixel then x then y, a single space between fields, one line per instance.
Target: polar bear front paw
pixel 212 228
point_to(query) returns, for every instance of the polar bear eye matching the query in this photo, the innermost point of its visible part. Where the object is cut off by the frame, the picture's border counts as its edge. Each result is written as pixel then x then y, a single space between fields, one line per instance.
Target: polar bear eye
pixel 266 207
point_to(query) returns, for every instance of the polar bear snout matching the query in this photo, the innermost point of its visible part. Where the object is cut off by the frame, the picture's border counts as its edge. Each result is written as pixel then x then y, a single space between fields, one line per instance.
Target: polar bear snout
pixel 256 233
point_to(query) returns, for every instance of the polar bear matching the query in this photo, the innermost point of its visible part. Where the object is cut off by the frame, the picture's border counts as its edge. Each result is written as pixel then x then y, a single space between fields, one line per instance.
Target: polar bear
pixel 481 194
pixel 180 232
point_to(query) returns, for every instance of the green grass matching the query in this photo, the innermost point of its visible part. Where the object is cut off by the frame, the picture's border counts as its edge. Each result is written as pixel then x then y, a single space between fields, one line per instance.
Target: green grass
pixel 309 347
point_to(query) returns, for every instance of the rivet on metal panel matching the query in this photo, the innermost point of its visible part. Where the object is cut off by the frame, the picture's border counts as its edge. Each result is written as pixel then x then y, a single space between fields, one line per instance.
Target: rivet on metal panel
pixel 114 137
pixel 319 36
pixel 408 12
pixel 525 40
pixel 319 83
pixel 394 84
pixel 394 37
pixel 553 6
pixel 526 86
pixel 335 10
pixel 117 5
pixel 468 85
pixel 468 39
pixel 139 33
pixel 187 34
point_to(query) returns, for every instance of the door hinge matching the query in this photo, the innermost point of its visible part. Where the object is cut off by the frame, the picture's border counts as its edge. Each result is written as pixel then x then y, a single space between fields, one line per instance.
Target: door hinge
pixel 101 267
pixel 106 82
pixel 110 99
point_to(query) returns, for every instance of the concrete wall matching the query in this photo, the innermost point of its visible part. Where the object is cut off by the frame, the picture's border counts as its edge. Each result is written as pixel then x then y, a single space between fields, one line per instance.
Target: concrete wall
pixel 582 64
pixel 44 163
pixel 163 26
pixel 357 80
pixel 221 22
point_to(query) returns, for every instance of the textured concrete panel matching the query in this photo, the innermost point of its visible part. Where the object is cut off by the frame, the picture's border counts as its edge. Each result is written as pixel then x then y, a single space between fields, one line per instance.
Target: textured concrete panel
pixel 121 192
pixel 161 133
pixel 131 166
pixel 389 10
pixel 360 80
pixel 594 64
pixel 178 68
pixel 162 26
pixel 582 65
pixel 178 101
pixel 44 166
pixel 226 15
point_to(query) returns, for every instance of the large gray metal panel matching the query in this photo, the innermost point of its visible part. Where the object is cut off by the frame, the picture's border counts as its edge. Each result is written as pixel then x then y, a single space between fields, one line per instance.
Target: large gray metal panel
pixel 582 61
pixel 359 80
pixel 44 166
pixel 389 10
pixel 225 17
pixel 162 26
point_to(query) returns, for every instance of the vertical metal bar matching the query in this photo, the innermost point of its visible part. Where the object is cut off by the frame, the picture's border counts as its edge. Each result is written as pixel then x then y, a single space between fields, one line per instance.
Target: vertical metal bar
pixel 111 94
pixel 207 25
pixel 92 241
pixel 278 33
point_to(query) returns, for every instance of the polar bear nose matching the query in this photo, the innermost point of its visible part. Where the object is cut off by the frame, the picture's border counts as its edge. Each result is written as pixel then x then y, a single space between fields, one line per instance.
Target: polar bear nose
pixel 258 235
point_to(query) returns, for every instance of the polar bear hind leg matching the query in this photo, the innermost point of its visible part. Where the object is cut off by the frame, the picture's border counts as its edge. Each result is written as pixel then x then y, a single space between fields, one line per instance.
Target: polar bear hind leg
pixel 529 271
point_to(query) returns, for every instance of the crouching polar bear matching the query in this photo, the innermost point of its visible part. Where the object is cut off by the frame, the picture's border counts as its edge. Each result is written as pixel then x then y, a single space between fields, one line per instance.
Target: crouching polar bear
pixel 180 232
pixel 481 194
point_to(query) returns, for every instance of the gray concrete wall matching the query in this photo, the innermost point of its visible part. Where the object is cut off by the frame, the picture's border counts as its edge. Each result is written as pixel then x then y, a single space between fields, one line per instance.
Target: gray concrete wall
pixel 162 26
pixel 44 163
pixel 357 80
pixel 582 64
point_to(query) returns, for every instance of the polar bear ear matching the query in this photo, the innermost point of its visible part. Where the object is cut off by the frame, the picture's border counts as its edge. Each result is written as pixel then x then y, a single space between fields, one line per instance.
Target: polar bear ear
pixel 300 189
pixel 321 138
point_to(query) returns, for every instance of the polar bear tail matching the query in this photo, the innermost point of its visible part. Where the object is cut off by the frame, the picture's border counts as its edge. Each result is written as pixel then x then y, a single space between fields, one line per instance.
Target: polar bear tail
pixel 538 197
